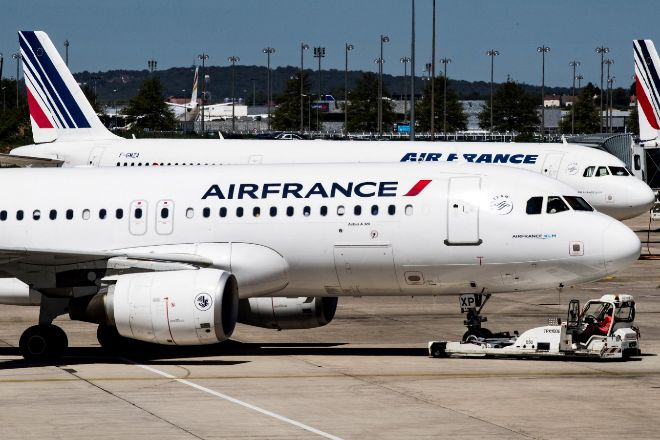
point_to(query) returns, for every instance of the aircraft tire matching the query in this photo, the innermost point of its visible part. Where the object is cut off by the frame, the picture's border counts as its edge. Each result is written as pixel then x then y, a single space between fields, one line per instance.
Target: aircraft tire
pixel 43 342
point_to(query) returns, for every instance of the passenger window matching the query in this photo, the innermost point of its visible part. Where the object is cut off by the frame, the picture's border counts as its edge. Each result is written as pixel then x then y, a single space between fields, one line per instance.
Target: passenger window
pixel 206 212
pixel 578 203
pixel 555 205
pixel 273 211
pixel 86 214
pixel 164 213
pixel 3 215
pixel 256 211
pixel 119 213
pixel 52 214
pixel 357 210
pixel 239 212
pixel 190 213
pixel 118 164
pixel 409 210
pixel 69 214
pixel 324 211
pixel 289 211
pixel 19 214
pixel 307 211
pixel 374 209
pixel 534 205
pixel 391 210
pixel 102 214
pixel 36 214
pixel 138 213
pixel 223 212
pixel 340 210
pixel 589 171
pixel 618 171
pixel 602 171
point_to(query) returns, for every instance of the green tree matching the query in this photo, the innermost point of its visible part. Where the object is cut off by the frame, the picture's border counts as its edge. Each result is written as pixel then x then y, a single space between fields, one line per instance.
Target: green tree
pixel 456 118
pixel 147 109
pixel 92 98
pixel 287 112
pixel 513 110
pixel 586 112
pixel 632 123
pixel 15 128
pixel 363 105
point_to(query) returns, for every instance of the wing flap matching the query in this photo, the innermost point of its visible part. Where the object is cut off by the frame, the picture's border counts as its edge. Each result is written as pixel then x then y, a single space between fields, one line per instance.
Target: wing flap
pixel 14 161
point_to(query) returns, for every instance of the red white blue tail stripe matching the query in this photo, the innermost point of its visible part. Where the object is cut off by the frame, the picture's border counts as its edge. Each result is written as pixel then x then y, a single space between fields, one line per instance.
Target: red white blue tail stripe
pixel 647 84
pixel 47 88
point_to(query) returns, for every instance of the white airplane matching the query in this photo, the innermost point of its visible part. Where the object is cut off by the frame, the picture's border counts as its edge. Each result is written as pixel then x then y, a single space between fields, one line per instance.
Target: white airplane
pixel 647 85
pixel 187 112
pixel 67 132
pixel 166 255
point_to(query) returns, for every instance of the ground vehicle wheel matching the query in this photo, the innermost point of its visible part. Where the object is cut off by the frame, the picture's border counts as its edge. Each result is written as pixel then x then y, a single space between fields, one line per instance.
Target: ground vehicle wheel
pixel 43 342
pixel 473 334
pixel 109 337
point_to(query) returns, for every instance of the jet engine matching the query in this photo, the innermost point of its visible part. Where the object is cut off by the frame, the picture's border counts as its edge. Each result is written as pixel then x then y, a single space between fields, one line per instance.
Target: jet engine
pixel 186 307
pixel 287 313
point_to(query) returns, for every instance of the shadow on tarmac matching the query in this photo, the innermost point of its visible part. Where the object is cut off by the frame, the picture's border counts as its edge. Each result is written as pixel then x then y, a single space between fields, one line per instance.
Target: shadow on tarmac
pixel 152 354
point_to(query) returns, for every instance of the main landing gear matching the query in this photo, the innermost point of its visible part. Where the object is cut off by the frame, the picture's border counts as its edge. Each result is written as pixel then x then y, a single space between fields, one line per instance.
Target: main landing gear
pixel 45 341
pixel 472 304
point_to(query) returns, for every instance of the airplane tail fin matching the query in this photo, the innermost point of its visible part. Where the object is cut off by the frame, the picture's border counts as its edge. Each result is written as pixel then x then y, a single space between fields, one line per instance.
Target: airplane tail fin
pixel 647 84
pixel 59 109
pixel 193 98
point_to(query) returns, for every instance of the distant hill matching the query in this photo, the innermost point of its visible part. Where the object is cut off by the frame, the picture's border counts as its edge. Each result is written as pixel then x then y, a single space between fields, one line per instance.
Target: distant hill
pixel 177 79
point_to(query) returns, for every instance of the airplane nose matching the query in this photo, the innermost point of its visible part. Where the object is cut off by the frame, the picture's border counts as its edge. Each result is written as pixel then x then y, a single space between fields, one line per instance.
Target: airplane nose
pixel 621 247
pixel 646 197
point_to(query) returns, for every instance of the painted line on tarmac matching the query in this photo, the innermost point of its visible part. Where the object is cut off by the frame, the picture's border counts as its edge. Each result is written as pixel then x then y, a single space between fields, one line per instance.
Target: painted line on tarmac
pixel 240 402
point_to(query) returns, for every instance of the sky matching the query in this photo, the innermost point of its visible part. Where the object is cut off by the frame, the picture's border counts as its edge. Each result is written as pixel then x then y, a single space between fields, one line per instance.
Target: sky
pixel 124 34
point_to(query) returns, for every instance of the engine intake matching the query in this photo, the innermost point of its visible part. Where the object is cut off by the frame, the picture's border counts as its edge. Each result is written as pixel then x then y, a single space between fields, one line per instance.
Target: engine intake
pixel 287 313
pixel 188 307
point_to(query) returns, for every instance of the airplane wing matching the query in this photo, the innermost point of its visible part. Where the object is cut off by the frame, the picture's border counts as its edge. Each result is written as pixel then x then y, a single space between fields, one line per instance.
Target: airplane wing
pixel 153 261
pixel 10 160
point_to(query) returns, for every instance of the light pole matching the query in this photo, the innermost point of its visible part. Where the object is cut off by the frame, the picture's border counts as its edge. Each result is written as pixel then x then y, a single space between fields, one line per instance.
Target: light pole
pixel 610 87
pixel 602 50
pixel 433 75
pixel 2 62
pixel 319 52
pixel 203 57
pixel 543 50
pixel 444 61
pixel 579 79
pixel 66 52
pixel 17 57
pixel 152 65
pixel 268 51
pixel 412 73
pixel 347 47
pixel 233 60
pixel 405 61
pixel 185 112
pixel 254 92
pixel 383 39
pixel 4 107
pixel 303 48
pixel 607 62
pixel 573 64
pixel 492 54
pixel 114 103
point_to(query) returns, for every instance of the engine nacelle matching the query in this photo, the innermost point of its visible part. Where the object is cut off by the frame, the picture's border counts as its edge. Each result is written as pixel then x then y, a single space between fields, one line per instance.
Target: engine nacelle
pixel 287 313
pixel 186 307
pixel 15 292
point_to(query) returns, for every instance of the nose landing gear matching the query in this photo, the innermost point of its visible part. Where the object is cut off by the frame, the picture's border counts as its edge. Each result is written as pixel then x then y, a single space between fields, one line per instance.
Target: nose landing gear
pixel 472 304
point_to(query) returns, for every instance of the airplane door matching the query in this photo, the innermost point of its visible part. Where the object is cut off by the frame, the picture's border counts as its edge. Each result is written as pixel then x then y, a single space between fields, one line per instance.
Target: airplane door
pixel 95 156
pixel 551 164
pixel 359 266
pixel 164 217
pixel 138 217
pixel 463 211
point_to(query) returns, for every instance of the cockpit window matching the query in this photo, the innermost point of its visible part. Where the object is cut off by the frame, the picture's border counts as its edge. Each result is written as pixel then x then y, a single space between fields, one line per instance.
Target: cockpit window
pixel 578 203
pixel 555 205
pixel 602 171
pixel 535 205
pixel 619 171
pixel 589 171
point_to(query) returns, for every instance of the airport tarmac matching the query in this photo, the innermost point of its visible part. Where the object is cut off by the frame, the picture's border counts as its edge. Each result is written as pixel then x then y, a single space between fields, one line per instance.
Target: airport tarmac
pixel 366 375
